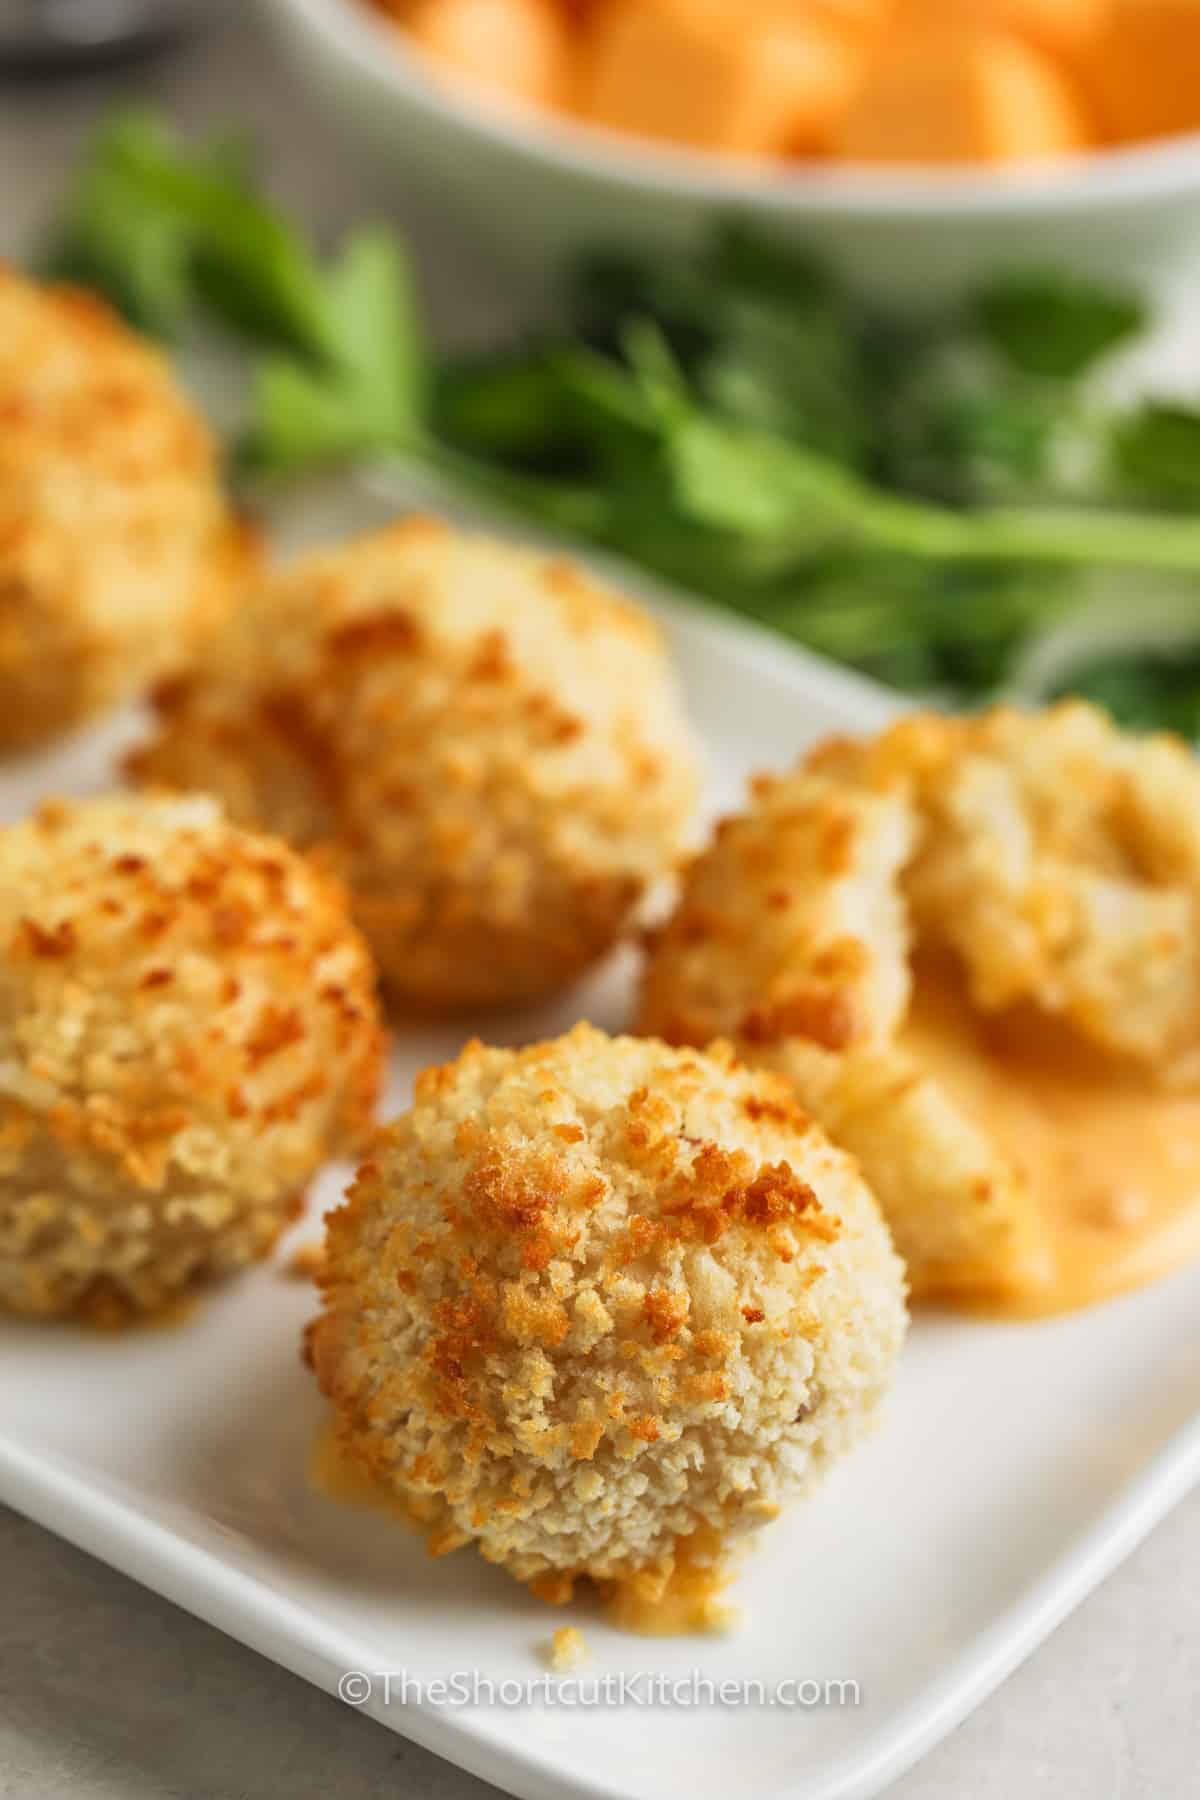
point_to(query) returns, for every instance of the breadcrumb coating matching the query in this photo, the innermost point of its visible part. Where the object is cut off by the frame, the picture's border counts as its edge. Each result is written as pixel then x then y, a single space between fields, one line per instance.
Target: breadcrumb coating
pixel 188 1029
pixel 117 549
pixel 568 1649
pixel 1053 857
pixel 597 1303
pixel 483 744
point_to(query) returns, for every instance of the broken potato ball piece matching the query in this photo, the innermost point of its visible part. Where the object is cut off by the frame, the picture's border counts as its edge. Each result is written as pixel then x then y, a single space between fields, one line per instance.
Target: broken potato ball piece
pixel 486 746
pixel 973 945
pixel 188 1030
pixel 118 550
pixel 599 1307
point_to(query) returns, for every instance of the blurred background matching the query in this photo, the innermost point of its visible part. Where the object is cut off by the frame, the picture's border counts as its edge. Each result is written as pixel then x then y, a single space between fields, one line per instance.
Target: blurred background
pixel 205 63
pixel 871 320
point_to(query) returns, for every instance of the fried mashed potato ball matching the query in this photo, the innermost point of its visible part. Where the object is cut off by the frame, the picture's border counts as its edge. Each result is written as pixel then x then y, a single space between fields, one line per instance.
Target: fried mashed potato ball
pixel 1040 870
pixel 597 1303
pixel 483 744
pixel 117 548
pixel 188 1029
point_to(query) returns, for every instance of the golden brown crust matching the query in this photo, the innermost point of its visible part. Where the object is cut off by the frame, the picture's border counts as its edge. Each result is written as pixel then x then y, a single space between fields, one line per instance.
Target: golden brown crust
pixel 188 1030
pixel 583 1298
pixel 1055 859
pixel 1060 862
pixel 482 743
pixel 118 552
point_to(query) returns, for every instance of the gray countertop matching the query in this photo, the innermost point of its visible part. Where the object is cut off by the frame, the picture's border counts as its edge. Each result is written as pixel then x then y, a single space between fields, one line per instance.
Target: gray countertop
pixel 109 1693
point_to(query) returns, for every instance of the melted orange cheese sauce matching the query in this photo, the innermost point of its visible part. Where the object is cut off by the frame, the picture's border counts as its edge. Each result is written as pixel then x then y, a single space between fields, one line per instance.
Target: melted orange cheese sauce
pixel 680 1599
pixel 1112 1161
pixel 684 1599
pixel 336 1476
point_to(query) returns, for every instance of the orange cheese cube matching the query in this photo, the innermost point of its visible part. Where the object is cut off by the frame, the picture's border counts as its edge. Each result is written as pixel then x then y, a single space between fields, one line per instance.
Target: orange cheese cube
pixel 1061 28
pixel 1143 72
pixel 967 97
pixel 861 18
pixel 761 82
pixel 519 48
pixel 1055 27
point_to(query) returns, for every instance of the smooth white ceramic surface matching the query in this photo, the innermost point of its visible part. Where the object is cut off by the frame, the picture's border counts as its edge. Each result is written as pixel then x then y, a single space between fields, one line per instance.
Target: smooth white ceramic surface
pixel 1013 1467
pixel 537 187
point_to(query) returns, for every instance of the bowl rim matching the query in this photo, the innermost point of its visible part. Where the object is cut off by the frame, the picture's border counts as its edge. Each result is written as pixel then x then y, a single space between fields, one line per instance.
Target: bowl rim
pixel 353 30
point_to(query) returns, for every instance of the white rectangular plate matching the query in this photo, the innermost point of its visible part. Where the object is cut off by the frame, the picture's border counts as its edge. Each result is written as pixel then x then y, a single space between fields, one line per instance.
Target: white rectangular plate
pixel 1014 1466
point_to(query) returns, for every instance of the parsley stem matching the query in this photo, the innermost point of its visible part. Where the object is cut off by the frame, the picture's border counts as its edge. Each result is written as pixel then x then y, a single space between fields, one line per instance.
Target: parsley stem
pixel 1073 536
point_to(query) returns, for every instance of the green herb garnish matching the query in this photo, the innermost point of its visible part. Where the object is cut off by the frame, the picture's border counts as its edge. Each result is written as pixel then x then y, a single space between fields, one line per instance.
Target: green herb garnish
pixel 922 501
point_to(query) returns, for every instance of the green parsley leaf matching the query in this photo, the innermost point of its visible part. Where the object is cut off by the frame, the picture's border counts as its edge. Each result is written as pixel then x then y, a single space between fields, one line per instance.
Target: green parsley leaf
pixel 1053 325
pixel 371 394
pixel 112 240
pixel 1156 453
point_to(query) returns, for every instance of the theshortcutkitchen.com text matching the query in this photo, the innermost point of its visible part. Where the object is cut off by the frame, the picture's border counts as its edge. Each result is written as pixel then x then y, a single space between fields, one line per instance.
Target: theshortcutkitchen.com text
pixel 628 1688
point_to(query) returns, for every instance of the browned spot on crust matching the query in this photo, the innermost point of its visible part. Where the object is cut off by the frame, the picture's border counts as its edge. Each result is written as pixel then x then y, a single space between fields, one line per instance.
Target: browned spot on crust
pixel 711 1343
pixel 585 1438
pixel 466 1328
pixel 492 660
pixel 779 1109
pixel 708 1385
pixel 518 1196
pixel 231 923
pixel 169 696
pixel 823 1016
pixel 276 1029
pixel 641 1236
pixel 55 943
pixel 287 715
pixel 680 1028
pixel 843 960
pixel 723 1188
pixel 534 1317
pixel 379 633
pixel 665 1311
pixel 836 849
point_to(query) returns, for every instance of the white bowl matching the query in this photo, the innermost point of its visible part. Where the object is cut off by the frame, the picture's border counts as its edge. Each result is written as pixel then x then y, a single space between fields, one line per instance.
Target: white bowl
pixel 539 186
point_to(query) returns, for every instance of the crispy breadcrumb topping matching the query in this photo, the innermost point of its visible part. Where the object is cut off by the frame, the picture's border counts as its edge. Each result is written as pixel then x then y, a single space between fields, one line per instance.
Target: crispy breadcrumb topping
pixel 118 550
pixel 188 1029
pixel 580 1346
pixel 568 1649
pixel 1054 859
pixel 482 742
